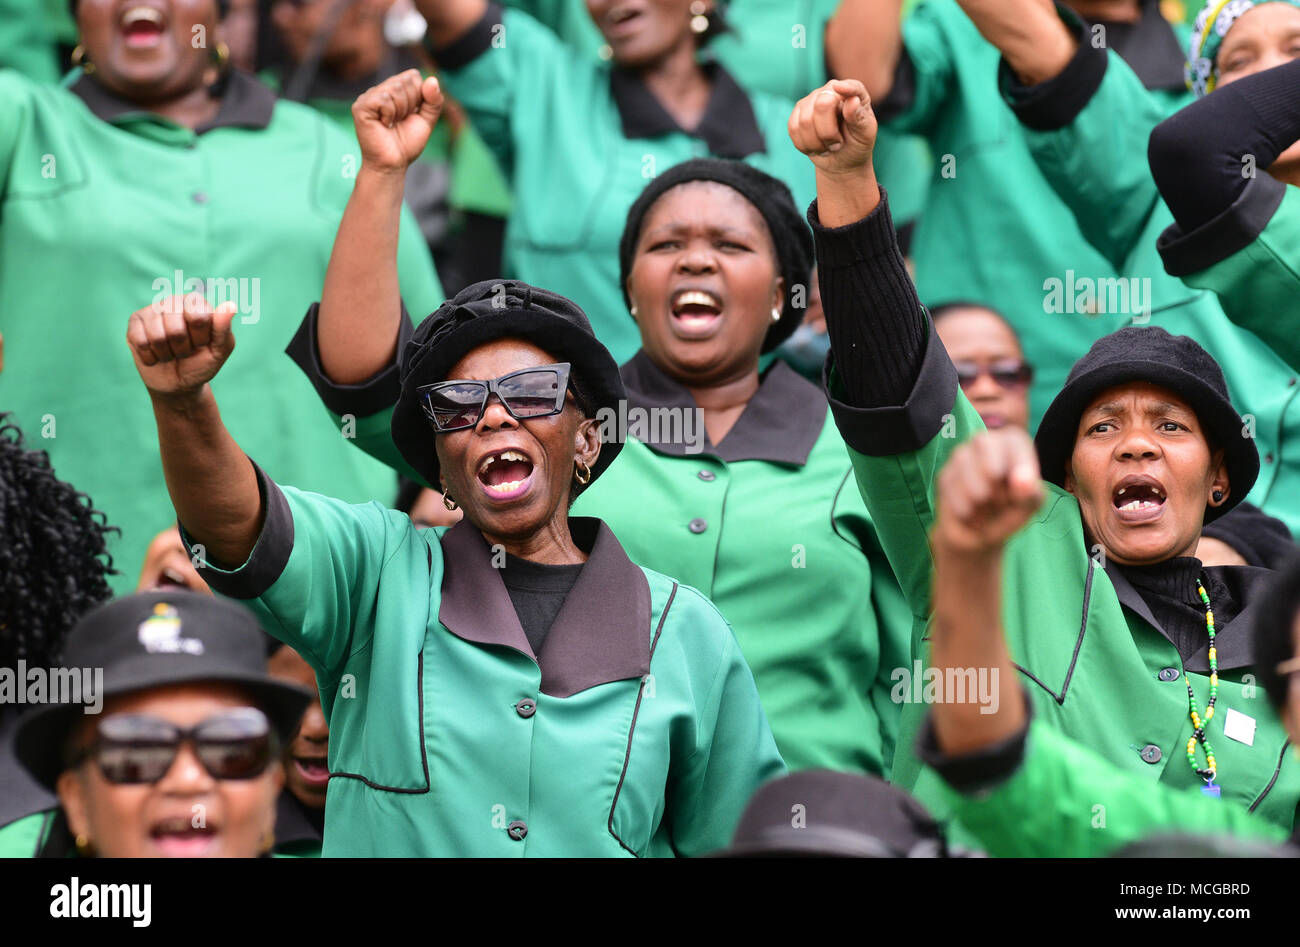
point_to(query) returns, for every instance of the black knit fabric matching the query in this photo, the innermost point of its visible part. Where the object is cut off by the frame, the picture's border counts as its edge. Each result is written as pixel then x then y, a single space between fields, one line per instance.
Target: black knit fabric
pixel 874 318
pixel 538 591
pixel 1197 155
pixel 1169 590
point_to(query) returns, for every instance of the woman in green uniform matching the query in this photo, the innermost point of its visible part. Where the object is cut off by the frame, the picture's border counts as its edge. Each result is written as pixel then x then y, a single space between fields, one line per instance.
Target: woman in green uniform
pixel 159 171
pixel 578 139
pixel 731 480
pixel 1107 612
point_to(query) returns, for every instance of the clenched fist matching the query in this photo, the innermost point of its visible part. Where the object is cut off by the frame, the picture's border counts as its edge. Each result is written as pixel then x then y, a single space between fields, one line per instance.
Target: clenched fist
pixel 988 490
pixel 179 343
pixel 395 118
pixel 835 127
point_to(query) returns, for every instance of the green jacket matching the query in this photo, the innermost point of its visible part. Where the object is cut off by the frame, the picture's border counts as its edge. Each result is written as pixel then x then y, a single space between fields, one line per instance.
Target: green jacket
pixel 579 145
pixel 446 735
pixel 993 230
pixel 1094 662
pixel 105 208
pixel 1065 800
pixel 1097 166
pixel 768 526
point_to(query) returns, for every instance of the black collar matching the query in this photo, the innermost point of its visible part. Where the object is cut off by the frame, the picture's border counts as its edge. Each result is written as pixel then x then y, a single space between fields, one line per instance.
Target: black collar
pixel 324 84
pixel 1150 47
pixel 292 823
pixel 602 632
pixel 245 103
pixel 1234 642
pixel 780 424
pixel 728 125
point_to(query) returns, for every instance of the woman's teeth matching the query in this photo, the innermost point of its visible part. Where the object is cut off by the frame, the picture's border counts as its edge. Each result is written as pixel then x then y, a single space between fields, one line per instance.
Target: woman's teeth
pixel 504 455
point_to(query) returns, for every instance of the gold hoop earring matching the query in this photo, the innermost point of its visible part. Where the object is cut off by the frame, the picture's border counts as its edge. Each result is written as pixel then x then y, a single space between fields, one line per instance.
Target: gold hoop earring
pixel 84 847
pixel 583 473
pixel 699 19
pixel 447 501
pixel 221 54
pixel 79 60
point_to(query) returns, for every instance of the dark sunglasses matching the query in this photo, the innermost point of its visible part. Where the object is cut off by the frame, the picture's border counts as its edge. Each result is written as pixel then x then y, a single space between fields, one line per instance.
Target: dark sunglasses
pixel 1011 374
pixel 528 393
pixel 139 748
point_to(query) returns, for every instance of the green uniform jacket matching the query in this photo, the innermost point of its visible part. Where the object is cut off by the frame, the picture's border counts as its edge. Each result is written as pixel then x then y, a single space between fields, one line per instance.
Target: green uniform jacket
pixel 103 211
pixel 643 735
pixel 27 40
pixel 1065 800
pixel 767 525
pixel 579 146
pixel 993 230
pixel 1094 663
pixel 1096 163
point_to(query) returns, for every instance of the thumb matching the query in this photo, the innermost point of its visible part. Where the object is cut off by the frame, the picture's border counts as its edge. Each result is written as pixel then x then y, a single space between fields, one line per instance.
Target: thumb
pixel 223 339
pixel 431 99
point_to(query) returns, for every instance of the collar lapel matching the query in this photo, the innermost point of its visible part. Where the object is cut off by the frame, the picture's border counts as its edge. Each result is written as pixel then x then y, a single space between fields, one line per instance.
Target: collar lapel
pixel 475 604
pixel 728 125
pixel 245 103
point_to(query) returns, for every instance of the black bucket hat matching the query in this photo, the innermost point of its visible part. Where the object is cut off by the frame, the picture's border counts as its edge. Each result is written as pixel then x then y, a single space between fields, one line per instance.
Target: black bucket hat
pixel 484 312
pixel 156 639
pixel 1150 354
pixel 820 813
pixel 790 234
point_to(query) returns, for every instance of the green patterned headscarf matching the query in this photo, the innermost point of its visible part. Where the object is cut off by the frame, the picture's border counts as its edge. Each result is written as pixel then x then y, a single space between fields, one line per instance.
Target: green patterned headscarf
pixel 1212 24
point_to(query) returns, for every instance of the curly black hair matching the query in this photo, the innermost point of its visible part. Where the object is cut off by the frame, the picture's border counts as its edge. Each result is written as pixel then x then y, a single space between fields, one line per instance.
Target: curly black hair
pixel 54 561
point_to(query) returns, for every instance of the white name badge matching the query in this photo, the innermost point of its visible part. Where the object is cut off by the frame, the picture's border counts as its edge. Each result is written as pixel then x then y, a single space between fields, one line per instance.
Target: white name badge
pixel 1238 726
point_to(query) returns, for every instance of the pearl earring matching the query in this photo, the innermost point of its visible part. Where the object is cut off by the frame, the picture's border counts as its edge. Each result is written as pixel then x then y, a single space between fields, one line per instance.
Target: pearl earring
pixel 699 21
pixel 776 315
pixel 633 310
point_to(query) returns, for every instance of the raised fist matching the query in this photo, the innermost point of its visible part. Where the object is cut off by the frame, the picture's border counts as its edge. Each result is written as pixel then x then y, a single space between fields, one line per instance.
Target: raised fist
pixel 988 490
pixel 835 127
pixel 395 118
pixel 179 343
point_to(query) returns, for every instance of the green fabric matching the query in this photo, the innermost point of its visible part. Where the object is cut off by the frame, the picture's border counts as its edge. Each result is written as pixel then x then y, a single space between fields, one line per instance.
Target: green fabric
pixel 1260 284
pixel 359 599
pixel 1097 165
pixel 791 559
pixel 553 126
pixel 24 837
pixel 992 229
pixel 1067 801
pixel 1090 667
pixel 27 40
pixel 95 221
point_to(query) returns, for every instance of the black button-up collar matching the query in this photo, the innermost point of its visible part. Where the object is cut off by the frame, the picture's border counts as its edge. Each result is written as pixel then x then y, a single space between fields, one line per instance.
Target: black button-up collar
pixel 728 125
pixel 245 103
pixel 602 632
pixel 1150 47
pixel 780 424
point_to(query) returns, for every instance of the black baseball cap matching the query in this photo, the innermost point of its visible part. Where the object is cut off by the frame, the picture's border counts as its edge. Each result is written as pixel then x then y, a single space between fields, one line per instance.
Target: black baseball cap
pixel 156 639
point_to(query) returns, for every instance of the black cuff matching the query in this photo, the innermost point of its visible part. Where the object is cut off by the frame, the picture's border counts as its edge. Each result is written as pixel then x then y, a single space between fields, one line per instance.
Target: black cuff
pixel 1054 104
pixel 377 393
pixel 906 427
pixel 270 553
pixel 1231 231
pixel 981 771
pixel 902 93
pixel 476 41
pixel 858 242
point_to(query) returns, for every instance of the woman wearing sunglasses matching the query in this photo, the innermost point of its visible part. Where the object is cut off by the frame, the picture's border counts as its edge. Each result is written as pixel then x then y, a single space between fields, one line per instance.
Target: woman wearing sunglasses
pixel 737 481
pixel 513 685
pixel 182 758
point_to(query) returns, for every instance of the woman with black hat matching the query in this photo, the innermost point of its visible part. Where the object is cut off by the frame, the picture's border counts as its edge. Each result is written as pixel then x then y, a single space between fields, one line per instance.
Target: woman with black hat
pixel 579 139
pixel 1125 640
pixel 170 745
pixel 514 685
pixel 158 170
pixel 731 480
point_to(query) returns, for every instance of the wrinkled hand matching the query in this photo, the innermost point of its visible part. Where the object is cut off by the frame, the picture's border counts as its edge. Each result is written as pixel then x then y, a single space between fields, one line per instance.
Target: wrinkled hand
pixel 988 490
pixel 395 118
pixel 835 127
pixel 180 343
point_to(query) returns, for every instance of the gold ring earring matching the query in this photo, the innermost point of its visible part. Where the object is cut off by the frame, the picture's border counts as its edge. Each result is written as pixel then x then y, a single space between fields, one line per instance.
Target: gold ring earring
pixel 583 473
pixel 221 54
pixel 447 501
pixel 79 59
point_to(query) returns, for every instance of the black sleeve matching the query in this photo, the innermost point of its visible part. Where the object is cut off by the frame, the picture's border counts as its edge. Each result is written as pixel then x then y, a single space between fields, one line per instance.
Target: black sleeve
pixel 377 393
pixel 476 41
pixel 1201 155
pixel 981 770
pixel 1056 103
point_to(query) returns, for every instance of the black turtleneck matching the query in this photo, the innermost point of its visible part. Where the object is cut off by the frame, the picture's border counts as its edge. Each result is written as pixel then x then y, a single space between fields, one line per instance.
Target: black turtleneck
pixel 1169 590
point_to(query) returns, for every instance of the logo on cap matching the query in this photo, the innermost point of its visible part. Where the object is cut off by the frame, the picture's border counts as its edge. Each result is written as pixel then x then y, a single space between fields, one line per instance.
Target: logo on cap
pixel 160 633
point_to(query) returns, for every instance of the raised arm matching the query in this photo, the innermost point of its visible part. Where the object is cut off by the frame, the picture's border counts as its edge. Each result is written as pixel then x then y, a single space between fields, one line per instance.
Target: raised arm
pixel 1033 40
pixel 179 344
pixel 449 20
pixel 864 41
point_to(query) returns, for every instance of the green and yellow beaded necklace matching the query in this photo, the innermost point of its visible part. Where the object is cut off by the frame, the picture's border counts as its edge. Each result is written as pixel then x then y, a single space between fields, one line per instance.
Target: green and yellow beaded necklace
pixel 1211 769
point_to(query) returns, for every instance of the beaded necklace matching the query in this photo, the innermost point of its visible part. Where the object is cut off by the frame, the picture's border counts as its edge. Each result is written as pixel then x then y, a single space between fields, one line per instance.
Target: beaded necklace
pixel 1211 768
